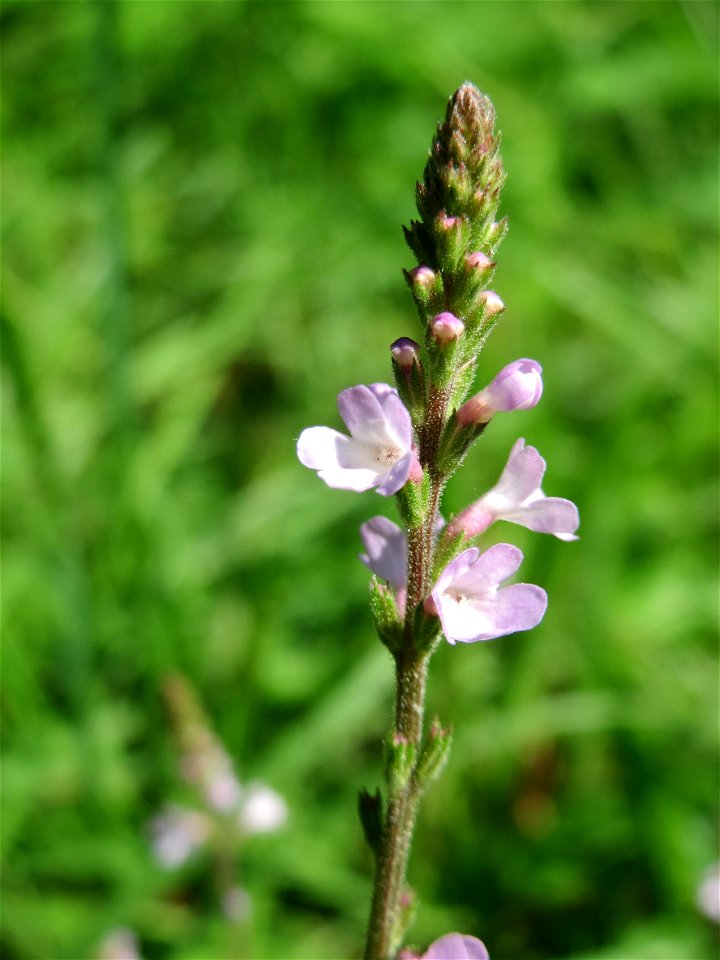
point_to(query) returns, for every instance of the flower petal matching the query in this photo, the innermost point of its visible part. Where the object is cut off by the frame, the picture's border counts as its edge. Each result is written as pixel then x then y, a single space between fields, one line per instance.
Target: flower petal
pixel 386 547
pixel 456 568
pixel 521 477
pixel 456 946
pixel 397 419
pixel 490 569
pixel 521 606
pixel 341 478
pixel 322 448
pixel 548 515
pixel 363 414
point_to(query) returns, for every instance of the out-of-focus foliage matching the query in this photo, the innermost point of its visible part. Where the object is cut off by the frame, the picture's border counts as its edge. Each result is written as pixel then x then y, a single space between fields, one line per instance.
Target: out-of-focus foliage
pixel 202 245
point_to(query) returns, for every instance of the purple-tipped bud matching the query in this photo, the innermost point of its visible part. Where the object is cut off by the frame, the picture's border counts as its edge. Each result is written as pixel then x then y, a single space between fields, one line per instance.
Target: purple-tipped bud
pixel 478 261
pixel 422 276
pixel 405 352
pixel 493 303
pixel 518 386
pixel 446 327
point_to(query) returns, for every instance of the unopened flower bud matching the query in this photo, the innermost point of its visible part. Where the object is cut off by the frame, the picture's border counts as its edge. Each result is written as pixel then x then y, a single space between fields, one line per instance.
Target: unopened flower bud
pixel 405 352
pixel 446 326
pixel 416 470
pixel 478 261
pixel 447 223
pixel 518 386
pixel 422 276
pixel 493 303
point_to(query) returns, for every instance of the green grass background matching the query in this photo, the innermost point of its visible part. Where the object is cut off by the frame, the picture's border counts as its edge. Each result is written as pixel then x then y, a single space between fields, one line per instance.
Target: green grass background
pixel 202 246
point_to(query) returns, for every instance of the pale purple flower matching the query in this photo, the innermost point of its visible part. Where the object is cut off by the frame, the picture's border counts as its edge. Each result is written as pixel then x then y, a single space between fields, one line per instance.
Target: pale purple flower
pixel 518 386
pixel 386 546
pixel 386 556
pixel 456 946
pixel 378 452
pixel 518 497
pixel 471 606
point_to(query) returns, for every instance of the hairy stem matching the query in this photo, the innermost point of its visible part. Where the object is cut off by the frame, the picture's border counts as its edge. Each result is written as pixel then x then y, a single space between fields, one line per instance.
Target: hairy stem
pixel 385 927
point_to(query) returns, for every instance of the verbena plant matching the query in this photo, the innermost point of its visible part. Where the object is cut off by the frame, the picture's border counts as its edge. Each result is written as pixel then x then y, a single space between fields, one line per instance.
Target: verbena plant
pixel 430 580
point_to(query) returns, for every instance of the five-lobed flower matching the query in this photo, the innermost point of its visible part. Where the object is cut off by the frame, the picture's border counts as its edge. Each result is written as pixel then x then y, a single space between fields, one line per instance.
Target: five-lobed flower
pixel 379 451
pixel 518 498
pixel 471 604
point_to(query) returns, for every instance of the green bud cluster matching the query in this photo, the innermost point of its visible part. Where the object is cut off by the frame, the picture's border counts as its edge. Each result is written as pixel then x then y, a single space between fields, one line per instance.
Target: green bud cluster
pixel 454 240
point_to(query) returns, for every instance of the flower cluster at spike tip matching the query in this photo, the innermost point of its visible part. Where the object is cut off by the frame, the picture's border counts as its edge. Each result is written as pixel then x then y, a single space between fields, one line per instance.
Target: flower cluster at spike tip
pixel 467 596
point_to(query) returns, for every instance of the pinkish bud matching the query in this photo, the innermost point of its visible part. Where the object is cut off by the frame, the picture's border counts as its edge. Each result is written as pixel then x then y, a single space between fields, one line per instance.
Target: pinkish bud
pixel 478 261
pixel 405 352
pixel 422 276
pixel 493 303
pixel 448 223
pixel 518 386
pixel 416 472
pixel 446 327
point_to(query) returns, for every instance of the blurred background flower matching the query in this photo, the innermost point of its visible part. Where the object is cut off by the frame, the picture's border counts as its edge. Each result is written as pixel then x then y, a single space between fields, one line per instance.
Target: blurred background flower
pixel 201 212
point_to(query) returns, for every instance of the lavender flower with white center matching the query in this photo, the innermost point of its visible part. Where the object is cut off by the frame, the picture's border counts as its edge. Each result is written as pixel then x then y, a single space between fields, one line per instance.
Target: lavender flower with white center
pixel 378 453
pixel 518 386
pixel 518 498
pixel 471 606
pixel 456 946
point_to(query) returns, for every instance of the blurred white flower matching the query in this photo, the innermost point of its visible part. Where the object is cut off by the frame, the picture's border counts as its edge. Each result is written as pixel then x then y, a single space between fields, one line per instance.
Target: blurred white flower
pixel 262 811
pixel 176 834
pixel 236 904
pixel 120 944
pixel 707 896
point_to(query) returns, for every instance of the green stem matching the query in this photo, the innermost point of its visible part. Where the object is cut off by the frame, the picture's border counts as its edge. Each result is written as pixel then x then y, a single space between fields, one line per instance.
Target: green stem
pixel 384 928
